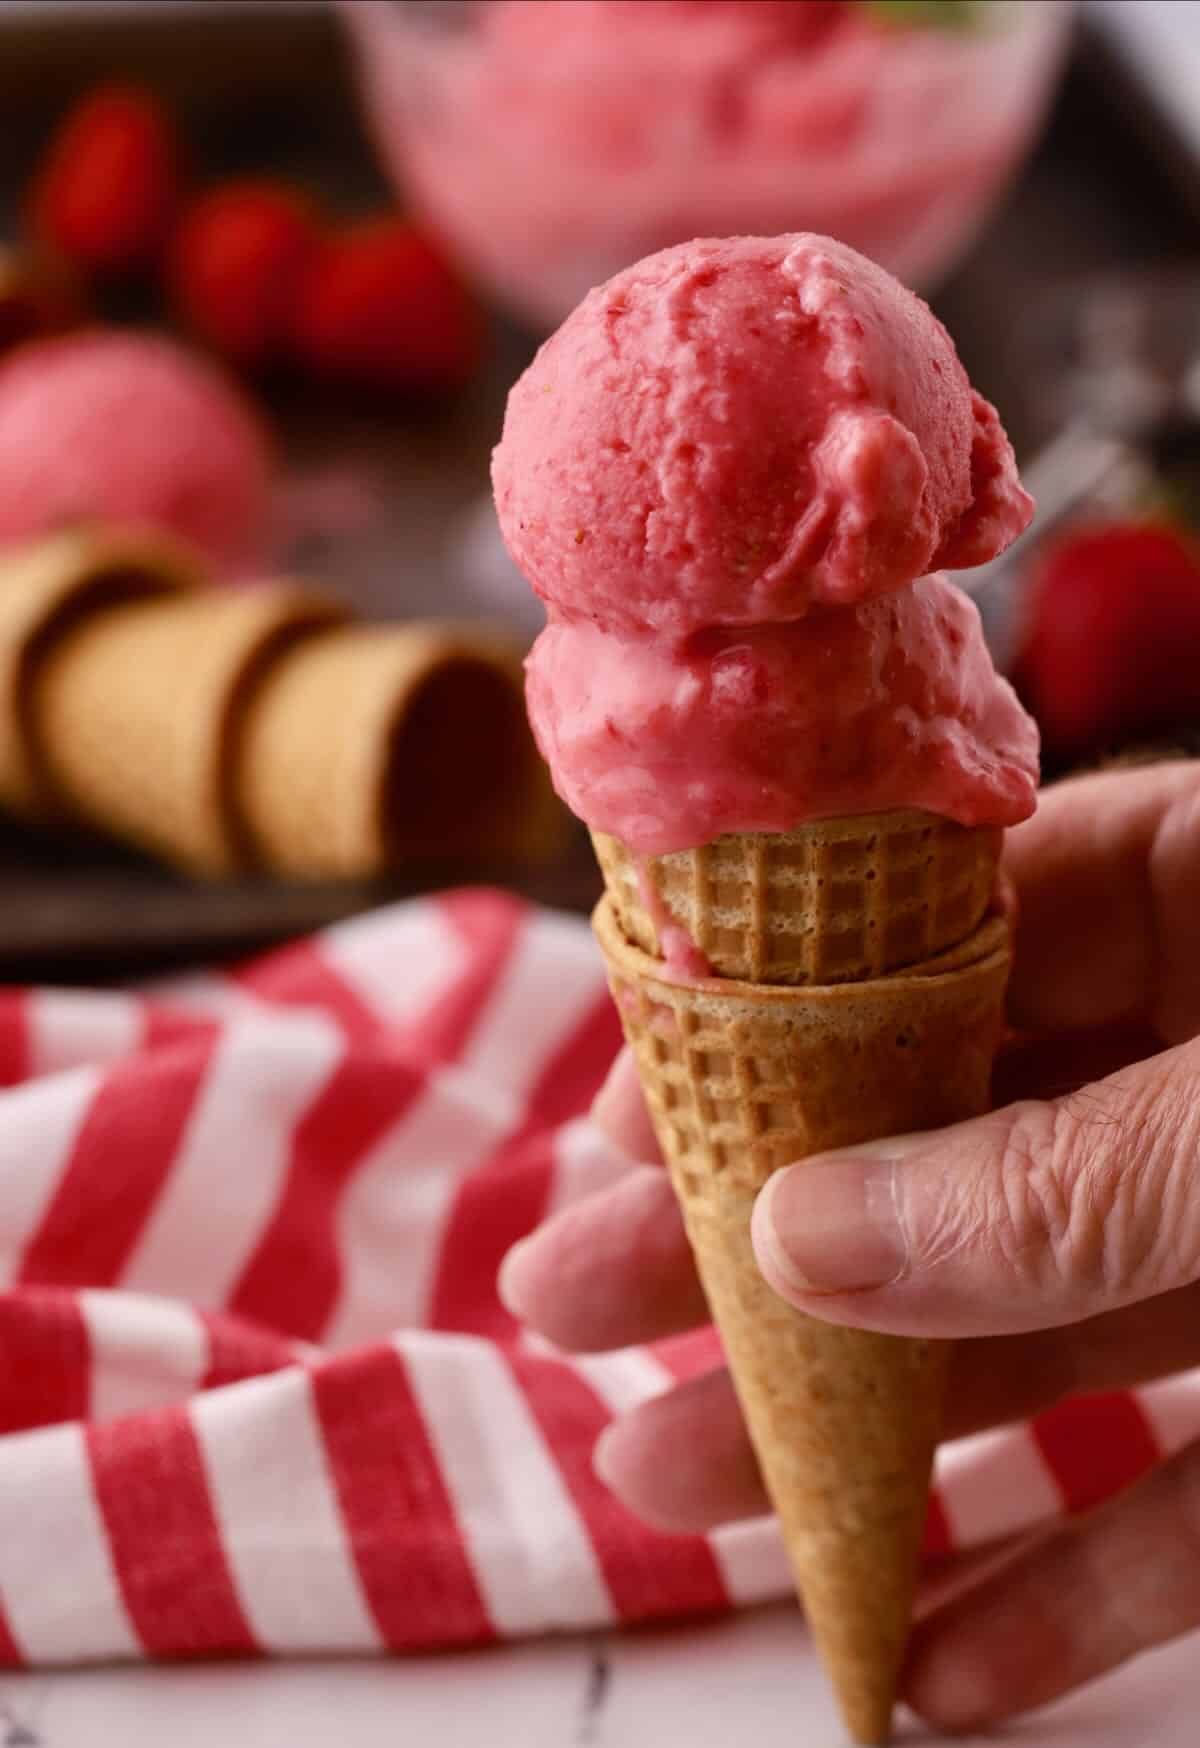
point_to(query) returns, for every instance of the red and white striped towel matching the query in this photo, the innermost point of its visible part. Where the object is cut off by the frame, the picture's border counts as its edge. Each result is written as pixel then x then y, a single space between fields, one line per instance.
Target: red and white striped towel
pixel 257 1393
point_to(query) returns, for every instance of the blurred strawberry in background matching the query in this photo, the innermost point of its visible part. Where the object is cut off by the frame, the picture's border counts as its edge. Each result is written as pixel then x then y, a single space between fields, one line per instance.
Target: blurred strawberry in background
pixel 129 426
pixel 382 308
pixel 106 193
pixel 1111 644
pixel 238 263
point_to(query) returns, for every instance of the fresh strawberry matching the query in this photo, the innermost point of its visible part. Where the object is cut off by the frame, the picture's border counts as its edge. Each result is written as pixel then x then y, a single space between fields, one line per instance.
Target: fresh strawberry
pixel 1112 639
pixel 108 185
pixel 383 308
pixel 237 266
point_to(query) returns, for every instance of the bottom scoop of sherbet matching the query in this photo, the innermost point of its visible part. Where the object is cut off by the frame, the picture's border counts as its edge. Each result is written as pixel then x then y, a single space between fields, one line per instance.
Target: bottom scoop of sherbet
pixel 892 703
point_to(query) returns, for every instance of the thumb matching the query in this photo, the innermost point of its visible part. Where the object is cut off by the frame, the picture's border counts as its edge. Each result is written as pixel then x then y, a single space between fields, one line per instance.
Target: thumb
pixel 1037 1215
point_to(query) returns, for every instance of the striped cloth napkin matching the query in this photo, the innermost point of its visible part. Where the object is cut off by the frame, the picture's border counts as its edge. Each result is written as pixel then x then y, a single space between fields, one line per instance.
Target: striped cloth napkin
pixel 257 1393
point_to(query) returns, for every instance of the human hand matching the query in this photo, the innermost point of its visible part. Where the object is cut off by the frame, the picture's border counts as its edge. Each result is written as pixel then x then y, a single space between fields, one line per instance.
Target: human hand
pixel 1057 1238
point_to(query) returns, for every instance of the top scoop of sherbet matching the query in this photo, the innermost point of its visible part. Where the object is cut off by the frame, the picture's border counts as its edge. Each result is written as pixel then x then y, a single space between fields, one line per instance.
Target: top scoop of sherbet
pixel 734 431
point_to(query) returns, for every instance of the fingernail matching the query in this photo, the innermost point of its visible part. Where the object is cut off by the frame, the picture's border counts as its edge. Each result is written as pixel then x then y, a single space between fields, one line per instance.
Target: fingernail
pixel 510 1278
pixel 830 1225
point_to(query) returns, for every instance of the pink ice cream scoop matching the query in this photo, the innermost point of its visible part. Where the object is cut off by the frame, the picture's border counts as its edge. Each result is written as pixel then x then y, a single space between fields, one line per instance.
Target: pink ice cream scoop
pixel 735 432
pixel 130 427
pixel 728 475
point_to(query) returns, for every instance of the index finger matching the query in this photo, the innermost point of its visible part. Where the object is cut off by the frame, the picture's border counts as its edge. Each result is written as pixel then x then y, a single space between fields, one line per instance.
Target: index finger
pixel 1108 881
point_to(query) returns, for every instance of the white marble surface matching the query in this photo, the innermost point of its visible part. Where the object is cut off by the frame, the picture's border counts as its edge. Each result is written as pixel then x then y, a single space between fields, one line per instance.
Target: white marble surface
pixel 700 1686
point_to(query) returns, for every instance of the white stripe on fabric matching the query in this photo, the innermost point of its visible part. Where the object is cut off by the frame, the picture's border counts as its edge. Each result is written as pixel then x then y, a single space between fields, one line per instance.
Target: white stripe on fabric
pixel 226 1179
pixel 399 960
pixel 750 1556
pixel 145 1352
pixel 552 978
pixel 753 1562
pixel 281 1529
pixel 993 1485
pixel 208 995
pixel 1172 1408
pixel 584 1163
pixel 71 1028
pixel 39 1123
pixel 393 1213
pixel 57 1582
pixel 530 1550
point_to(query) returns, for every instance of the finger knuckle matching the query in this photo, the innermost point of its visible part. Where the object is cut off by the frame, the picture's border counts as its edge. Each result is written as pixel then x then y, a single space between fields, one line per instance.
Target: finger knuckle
pixel 1096 1190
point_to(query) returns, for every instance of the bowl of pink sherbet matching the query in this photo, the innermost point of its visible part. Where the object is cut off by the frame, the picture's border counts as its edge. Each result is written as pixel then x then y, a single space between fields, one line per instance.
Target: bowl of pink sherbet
pixel 555 141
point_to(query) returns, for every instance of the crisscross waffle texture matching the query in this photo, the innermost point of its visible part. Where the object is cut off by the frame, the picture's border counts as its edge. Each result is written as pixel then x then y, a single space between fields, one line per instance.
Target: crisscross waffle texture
pixel 835 900
pixel 741 1079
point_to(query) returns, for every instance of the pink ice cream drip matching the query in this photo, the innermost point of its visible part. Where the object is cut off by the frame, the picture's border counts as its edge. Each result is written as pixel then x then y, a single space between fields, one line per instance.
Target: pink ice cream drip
pixel 728 475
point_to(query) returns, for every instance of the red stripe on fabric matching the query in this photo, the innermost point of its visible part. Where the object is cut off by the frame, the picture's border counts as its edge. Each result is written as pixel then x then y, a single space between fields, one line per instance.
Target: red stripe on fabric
pixel 497 1204
pixel 1095 1446
pixel 507 1195
pixel 937 1539
pixel 45 1359
pixel 399 1519
pixel 238 1350
pixel 148 1475
pixel 163 1026
pixel 488 923
pixel 10 1651
pixel 122 1156
pixel 16 1056
pixel 686 1356
pixel 292 1279
pixel 300 976
pixel 648 1574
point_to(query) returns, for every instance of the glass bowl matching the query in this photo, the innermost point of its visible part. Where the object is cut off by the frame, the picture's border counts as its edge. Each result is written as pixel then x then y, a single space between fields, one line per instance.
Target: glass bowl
pixel 555 141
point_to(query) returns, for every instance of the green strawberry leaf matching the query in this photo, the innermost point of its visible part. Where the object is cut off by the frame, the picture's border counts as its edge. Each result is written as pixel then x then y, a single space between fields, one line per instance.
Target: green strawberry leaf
pixel 930 14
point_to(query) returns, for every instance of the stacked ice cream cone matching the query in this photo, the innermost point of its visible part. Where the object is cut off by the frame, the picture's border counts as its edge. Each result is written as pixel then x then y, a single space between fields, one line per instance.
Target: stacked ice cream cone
pixel 734 475
pixel 228 731
pixel 743 1077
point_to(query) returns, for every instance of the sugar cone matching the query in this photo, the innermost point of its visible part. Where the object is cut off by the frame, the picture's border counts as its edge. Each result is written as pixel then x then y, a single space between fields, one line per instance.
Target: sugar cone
pixel 740 1079
pixel 833 900
pixel 139 711
pixel 47 588
pixel 367 746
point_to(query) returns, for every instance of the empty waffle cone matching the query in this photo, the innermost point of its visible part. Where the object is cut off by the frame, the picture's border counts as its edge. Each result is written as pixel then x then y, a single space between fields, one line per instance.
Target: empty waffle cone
pixel 741 1079
pixel 139 711
pixel 368 746
pixel 47 589
pixel 834 900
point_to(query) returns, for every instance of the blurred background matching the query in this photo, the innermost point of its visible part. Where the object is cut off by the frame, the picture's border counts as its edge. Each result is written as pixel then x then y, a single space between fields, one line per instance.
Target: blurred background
pixel 266 274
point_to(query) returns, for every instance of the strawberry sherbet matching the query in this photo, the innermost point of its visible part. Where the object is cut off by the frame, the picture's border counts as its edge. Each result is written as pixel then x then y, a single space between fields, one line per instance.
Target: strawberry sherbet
pixel 732 432
pixel 725 475
pixel 129 427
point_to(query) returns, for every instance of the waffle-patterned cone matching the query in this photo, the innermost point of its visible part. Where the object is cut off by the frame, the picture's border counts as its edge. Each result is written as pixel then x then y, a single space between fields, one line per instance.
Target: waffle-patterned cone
pixel 834 900
pixel 46 589
pixel 139 711
pixel 367 745
pixel 741 1079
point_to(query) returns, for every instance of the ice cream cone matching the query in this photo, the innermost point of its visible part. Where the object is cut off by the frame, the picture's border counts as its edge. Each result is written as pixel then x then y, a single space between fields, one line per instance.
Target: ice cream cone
pixel 833 900
pixel 367 746
pixel 139 711
pixel 47 589
pixel 741 1078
